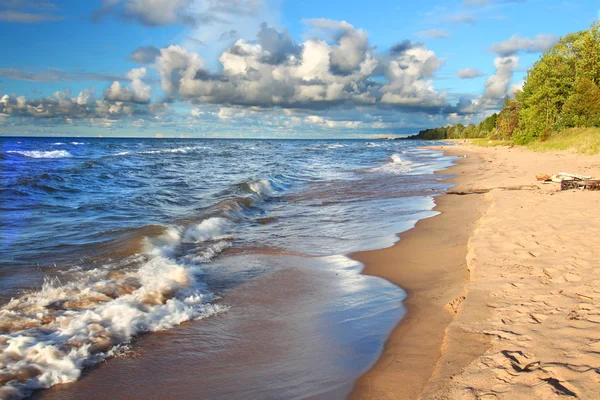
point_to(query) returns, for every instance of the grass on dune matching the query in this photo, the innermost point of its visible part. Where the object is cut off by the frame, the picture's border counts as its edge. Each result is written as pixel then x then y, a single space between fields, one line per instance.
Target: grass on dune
pixel 579 140
pixel 484 142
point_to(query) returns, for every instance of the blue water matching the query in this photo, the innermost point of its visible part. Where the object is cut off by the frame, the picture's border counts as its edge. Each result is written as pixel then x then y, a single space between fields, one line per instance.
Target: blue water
pixel 104 239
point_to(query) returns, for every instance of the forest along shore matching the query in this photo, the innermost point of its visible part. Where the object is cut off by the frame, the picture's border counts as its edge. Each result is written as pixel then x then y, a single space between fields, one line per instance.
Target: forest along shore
pixel 529 323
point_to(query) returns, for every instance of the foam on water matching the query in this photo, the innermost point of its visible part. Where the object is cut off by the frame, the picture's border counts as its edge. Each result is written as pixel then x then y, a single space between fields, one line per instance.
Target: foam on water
pixel 41 154
pixel 398 165
pixel 210 229
pixel 261 187
pixel 154 222
pixel 181 150
pixel 50 335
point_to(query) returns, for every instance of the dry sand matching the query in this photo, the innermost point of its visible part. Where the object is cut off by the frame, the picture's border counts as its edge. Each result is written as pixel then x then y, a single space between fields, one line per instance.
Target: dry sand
pixel 529 326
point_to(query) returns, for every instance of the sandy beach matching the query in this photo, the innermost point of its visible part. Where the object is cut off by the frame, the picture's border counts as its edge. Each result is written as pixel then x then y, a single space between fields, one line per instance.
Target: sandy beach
pixel 508 304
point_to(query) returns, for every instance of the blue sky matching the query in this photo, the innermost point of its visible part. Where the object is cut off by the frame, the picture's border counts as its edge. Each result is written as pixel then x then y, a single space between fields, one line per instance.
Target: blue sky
pixel 267 68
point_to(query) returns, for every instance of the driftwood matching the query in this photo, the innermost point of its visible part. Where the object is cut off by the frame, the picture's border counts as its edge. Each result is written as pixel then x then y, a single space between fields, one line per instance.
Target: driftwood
pixel 580 184
pixel 570 181
pixel 483 191
pixel 575 176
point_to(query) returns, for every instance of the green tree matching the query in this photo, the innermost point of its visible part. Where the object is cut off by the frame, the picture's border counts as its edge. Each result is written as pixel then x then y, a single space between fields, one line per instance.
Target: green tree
pixel 582 109
pixel 508 119
pixel 552 80
pixel 587 50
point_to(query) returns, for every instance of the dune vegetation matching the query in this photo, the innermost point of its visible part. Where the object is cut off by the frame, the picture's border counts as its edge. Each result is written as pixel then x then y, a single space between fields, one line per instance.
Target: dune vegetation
pixel 558 107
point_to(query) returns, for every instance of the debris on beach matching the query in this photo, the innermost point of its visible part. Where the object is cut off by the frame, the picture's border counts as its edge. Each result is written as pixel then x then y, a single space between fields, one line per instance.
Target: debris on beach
pixel 570 181
pixel 580 184
pixel 543 177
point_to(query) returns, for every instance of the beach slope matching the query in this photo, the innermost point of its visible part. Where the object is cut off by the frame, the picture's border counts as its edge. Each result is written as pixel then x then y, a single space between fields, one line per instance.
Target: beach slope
pixel 529 324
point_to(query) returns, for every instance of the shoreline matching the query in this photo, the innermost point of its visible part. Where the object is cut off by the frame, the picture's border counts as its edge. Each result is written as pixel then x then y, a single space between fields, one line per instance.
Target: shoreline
pixel 528 324
pixel 432 279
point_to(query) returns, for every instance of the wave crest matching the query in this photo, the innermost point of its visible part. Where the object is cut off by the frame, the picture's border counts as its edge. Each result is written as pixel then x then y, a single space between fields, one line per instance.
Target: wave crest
pixel 41 154
pixel 47 337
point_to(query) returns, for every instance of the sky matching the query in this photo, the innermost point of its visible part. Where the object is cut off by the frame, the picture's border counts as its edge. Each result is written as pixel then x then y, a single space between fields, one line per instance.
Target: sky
pixel 267 68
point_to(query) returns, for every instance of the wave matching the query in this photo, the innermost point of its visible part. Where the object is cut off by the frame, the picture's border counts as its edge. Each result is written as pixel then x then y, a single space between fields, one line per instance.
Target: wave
pixel 181 150
pixel 261 187
pixel 47 337
pixel 210 229
pixel 73 143
pixel 41 154
pixel 397 165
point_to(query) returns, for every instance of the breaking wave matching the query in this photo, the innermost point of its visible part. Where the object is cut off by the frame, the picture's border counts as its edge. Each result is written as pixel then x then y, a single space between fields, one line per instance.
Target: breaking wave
pixel 181 150
pixel 49 336
pixel 41 154
pixel 397 165
pixel 261 187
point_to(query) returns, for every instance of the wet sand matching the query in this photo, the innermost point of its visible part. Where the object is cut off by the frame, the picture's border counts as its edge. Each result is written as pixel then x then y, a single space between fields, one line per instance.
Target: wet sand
pixel 525 257
pixel 303 331
pixel 429 262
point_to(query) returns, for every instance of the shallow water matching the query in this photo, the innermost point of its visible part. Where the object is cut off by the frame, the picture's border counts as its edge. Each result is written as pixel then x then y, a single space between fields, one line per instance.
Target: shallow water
pixel 232 249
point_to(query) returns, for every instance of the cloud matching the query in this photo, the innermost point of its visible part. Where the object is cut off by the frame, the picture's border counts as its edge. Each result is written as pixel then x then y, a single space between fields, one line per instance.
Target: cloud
pixel 517 44
pixel 401 47
pixel 469 73
pixel 229 35
pixel 332 76
pixel 434 34
pixel 497 85
pixel 461 18
pixel 235 7
pixel 136 92
pixel 497 88
pixel 27 18
pixel 279 45
pixel 409 81
pixel 57 75
pixel 155 13
pixel 146 12
pixel 144 55
pixel 515 87
pixel 275 70
pixel 350 51
pixel 61 104
pixel 28 11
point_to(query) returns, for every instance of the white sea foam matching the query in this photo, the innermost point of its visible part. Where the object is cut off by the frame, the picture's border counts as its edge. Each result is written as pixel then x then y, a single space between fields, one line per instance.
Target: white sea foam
pixel 210 229
pixel 62 144
pixel 398 165
pixel 50 335
pixel 397 159
pixel 41 154
pixel 261 186
pixel 180 150
pixel 210 253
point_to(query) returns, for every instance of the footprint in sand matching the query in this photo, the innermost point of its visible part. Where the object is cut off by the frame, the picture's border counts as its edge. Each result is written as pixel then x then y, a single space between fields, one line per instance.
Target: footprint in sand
pixel 570 277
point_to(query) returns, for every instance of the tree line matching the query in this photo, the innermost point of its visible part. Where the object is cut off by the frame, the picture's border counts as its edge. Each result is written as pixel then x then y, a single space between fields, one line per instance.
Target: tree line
pixel 561 91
